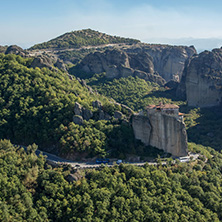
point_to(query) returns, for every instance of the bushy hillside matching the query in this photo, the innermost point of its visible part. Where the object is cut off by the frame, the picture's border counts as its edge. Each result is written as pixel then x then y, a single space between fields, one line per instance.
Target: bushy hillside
pixel 85 37
pixel 37 105
pixel 33 191
pixel 132 91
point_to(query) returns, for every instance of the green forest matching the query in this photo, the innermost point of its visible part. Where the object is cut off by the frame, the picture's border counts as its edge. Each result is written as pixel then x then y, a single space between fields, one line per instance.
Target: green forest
pixel 37 107
pixel 31 190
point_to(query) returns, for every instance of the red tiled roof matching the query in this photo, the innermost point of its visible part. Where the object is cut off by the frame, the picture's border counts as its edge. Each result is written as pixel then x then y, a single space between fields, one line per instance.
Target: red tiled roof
pixel 163 106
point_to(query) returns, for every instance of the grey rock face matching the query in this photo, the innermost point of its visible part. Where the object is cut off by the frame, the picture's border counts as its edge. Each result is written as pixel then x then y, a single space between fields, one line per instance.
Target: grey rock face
pixel 60 65
pixel 87 114
pixel 142 128
pixel 168 60
pixel 83 112
pixel 117 63
pixel 78 109
pixel 14 49
pixel 103 115
pixel 78 119
pixel 42 61
pixel 97 104
pixel 161 131
pixel 202 79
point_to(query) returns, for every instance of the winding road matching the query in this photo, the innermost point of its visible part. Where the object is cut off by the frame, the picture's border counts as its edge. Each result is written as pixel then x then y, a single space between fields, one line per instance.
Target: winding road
pixel 53 159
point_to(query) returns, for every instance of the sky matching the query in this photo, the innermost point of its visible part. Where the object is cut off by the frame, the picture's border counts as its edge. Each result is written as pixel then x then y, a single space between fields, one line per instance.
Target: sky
pixel 176 22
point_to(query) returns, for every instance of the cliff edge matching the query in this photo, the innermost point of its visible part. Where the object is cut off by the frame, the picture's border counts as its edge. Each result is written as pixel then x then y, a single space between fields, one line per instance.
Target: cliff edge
pixel 201 83
pixel 162 128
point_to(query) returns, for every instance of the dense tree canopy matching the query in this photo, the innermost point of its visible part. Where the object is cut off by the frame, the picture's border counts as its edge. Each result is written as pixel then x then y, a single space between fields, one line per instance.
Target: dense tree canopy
pixel 33 191
pixel 37 105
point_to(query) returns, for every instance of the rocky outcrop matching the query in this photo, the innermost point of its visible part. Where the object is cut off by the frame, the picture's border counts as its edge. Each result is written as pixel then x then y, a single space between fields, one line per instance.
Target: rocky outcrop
pixel 60 65
pixel 201 83
pixel 3 49
pixel 117 63
pixel 78 119
pixel 42 61
pixel 48 61
pixel 82 112
pixel 161 131
pixel 14 49
pixel 84 84
pixel 168 60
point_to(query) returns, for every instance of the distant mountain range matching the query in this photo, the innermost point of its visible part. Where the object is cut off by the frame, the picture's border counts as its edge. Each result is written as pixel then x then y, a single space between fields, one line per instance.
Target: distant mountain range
pixel 201 44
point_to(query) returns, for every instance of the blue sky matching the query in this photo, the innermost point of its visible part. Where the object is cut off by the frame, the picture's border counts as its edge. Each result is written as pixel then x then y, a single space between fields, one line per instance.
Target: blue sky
pixel 27 22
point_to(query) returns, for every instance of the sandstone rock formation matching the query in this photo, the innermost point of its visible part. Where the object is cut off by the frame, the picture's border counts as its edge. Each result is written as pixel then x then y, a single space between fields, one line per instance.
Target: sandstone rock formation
pixel 117 63
pixel 161 130
pixel 201 83
pixel 167 60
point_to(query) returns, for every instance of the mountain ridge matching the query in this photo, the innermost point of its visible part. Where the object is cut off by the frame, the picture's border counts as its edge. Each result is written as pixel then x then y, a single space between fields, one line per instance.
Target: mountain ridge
pixel 84 37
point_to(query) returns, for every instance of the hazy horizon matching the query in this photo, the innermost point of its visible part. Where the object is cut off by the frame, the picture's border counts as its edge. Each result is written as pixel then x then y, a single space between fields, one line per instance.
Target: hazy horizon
pixel 197 23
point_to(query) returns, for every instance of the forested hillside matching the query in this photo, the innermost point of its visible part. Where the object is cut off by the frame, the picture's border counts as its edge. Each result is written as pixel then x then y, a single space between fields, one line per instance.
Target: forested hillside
pixel 37 105
pixel 132 91
pixel 33 191
pixel 85 37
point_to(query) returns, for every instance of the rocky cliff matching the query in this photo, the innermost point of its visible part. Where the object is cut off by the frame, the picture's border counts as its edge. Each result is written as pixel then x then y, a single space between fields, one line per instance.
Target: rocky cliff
pixel 143 60
pixel 167 60
pixel 117 63
pixel 201 83
pixel 161 131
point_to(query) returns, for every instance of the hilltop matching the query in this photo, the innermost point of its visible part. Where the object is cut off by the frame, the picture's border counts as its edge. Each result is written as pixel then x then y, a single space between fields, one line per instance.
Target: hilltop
pixel 85 37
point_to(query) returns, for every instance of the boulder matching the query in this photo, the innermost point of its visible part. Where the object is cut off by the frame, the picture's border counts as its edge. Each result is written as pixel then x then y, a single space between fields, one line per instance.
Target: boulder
pixel 87 114
pixel 103 115
pixel 97 104
pixel 118 115
pixel 78 119
pixel 77 109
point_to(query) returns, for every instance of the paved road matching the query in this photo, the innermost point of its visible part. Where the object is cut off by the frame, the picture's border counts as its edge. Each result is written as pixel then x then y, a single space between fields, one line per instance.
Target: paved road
pixel 58 160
